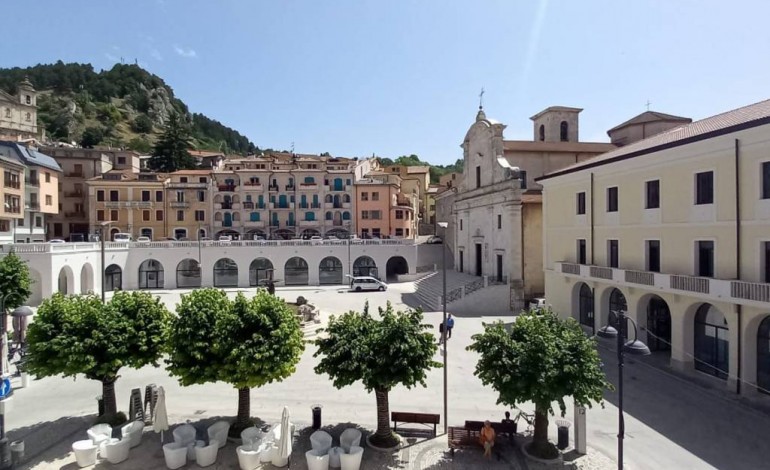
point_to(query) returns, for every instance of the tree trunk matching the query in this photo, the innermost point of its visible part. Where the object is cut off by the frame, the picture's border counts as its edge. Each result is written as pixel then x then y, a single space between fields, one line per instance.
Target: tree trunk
pixel 540 447
pixel 384 436
pixel 108 395
pixel 243 420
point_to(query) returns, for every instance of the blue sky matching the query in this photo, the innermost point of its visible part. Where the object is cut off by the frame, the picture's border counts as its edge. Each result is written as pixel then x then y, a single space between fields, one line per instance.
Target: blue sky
pixel 395 77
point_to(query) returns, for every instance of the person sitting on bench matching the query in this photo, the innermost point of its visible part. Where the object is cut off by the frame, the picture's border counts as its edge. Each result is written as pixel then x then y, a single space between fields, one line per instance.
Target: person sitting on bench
pixel 487 438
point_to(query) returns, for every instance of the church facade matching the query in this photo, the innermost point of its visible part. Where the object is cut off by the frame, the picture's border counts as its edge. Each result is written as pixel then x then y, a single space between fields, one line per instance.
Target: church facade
pixel 18 113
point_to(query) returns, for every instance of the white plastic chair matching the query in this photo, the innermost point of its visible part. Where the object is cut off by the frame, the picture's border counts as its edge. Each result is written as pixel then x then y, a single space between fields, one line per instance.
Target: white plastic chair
pixel 116 450
pixel 321 441
pixel 184 434
pixel 207 455
pixel 175 454
pixel 349 438
pixel 317 461
pixel 251 435
pixel 99 433
pixel 218 431
pixel 133 431
pixel 248 456
pixel 268 450
pixel 352 460
pixel 334 456
pixel 85 452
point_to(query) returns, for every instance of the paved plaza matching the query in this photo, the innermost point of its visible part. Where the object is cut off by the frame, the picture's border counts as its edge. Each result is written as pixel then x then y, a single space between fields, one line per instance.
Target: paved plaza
pixel 671 423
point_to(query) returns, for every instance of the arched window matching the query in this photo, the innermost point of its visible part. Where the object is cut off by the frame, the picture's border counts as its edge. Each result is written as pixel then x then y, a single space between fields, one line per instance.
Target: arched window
pixel 261 269
pixel 712 342
pixel 617 304
pixel 188 273
pixel 763 356
pixel 328 215
pixel 151 275
pixel 225 273
pixel 114 278
pixel 586 305
pixel 564 131
pixel 541 133
pixel 330 271
pixel 328 198
pixel 365 266
pixel 346 215
pixel 346 198
pixel 295 272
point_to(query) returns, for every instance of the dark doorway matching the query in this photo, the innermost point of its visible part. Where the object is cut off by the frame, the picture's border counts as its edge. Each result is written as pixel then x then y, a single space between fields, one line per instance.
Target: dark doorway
pixel 395 266
pixel 499 268
pixel 658 325
pixel 478 259
pixel 461 260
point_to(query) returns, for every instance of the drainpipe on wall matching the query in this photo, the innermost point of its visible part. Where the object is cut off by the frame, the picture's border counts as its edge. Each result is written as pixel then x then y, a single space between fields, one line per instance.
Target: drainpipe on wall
pixel 739 309
pixel 592 217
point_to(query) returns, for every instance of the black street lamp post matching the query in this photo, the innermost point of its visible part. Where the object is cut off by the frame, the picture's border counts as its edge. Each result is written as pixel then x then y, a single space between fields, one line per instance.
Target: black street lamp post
pixel 635 347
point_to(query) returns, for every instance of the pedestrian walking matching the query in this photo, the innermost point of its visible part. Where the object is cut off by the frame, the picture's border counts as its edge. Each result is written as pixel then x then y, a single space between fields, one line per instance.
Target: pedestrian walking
pixel 450 323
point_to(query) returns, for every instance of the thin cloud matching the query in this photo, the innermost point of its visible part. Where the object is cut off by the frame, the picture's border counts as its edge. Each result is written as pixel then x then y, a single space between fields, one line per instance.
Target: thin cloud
pixel 155 54
pixel 189 53
pixel 110 57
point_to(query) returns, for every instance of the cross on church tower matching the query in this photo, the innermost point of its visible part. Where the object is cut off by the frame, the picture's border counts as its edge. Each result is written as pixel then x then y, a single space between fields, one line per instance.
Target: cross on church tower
pixel 648 105
pixel 481 99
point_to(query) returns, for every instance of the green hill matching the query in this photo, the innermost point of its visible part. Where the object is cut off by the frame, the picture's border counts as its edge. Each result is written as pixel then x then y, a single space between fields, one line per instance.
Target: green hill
pixel 124 106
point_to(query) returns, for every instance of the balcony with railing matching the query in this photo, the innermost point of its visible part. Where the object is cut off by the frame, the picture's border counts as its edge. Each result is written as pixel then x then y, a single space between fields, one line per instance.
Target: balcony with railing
pixel 308 186
pixel 315 205
pixel 74 174
pixel 179 185
pixel 309 223
pixel 304 205
pixel 179 204
pixel 248 205
pixel 226 188
pixel 12 184
pixel 273 189
pixel 75 215
pixel 73 194
pixel 33 206
pixel 704 288
pixel 290 187
pixel 32 181
pixel 285 205
pixel 13 209
pixel 223 205
pixel 254 223
pixel 333 188
pixel 252 186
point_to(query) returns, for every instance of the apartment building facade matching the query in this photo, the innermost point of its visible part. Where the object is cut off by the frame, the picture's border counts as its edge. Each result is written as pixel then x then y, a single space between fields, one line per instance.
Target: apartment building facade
pixel 79 165
pixel 13 197
pixel 382 209
pixel 675 231
pixel 285 196
pixel 189 201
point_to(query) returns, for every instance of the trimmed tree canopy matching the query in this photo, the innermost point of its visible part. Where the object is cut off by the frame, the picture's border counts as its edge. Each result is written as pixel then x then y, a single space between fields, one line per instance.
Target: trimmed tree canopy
pixel 15 281
pixel 381 354
pixel 542 359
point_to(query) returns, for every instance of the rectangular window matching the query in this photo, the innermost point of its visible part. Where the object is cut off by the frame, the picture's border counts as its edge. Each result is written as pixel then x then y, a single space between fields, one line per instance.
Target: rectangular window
pixel 114 196
pixel 478 176
pixel 523 179
pixel 580 203
pixel 158 215
pixel 499 221
pixel 114 216
pixel 652 193
pixel 375 196
pixel 48 200
pixel 158 196
pixel 146 216
pixel 705 258
pixel 653 255
pixel 182 179
pixel 581 251
pixel 365 215
pixel 180 196
pixel 201 196
pixel 399 232
pixel 145 196
pixel 376 215
pixel 399 214
pixel 612 253
pixel 704 187
pixel 100 195
pixel 100 215
pixel 47 177
pixel 121 160
pixel 203 179
pixel 38 221
pixel 765 180
pixel 180 216
pixel 364 196
pixel 461 224
pixel 612 199
pixel 200 216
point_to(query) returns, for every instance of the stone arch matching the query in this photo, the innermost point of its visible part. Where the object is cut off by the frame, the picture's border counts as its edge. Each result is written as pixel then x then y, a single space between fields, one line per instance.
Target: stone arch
pixel 328 199
pixel 396 265
pixel 151 274
pixel 113 232
pixel 365 266
pixel 225 273
pixel 602 296
pixel 261 269
pixel 309 232
pixel 711 339
pixel 330 271
pixel 345 198
pixel 188 273
pixel 583 304
pixel 295 272
pixel 86 278
pixel 66 282
pixel 113 278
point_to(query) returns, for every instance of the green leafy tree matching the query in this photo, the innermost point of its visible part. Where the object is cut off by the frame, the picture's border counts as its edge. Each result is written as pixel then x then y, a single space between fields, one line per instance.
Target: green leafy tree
pixel 247 343
pixel 15 281
pixel 79 334
pixel 92 136
pixel 142 124
pixel 140 144
pixel 543 359
pixel 170 152
pixel 356 345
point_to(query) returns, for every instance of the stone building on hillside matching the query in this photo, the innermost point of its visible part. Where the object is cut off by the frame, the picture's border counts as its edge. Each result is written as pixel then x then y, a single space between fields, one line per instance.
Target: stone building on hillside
pixel 18 113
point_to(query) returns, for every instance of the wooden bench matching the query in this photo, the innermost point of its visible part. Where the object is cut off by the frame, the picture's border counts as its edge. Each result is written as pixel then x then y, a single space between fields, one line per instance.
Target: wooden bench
pixel 415 418
pixel 461 438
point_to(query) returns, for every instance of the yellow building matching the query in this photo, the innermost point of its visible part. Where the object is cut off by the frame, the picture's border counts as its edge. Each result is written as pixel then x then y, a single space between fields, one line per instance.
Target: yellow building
pixel 675 231
pixel 189 201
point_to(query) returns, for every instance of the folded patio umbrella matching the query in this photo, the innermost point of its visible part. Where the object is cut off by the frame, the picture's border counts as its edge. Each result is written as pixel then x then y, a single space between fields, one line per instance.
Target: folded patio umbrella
pixel 284 444
pixel 160 420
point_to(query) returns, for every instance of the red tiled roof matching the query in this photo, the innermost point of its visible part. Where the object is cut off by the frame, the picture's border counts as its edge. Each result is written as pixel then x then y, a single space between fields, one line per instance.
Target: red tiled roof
pixel 742 118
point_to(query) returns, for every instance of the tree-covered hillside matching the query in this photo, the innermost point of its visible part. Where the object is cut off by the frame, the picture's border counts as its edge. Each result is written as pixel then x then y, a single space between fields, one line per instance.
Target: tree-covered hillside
pixel 436 171
pixel 123 106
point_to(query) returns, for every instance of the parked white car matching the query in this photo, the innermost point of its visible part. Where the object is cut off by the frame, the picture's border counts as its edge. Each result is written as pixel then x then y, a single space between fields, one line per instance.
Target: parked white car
pixel 355 239
pixel 434 240
pixel 316 240
pixel 537 303
pixel 361 283
pixel 143 239
pixel 56 240
pixel 225 238
pixel 121 237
